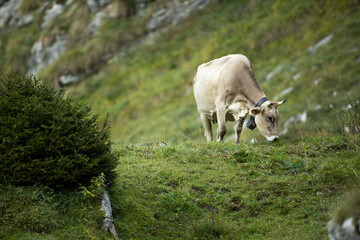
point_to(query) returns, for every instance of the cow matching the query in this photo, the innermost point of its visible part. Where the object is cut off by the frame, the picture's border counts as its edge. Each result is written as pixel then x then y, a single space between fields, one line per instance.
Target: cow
pixel 225 89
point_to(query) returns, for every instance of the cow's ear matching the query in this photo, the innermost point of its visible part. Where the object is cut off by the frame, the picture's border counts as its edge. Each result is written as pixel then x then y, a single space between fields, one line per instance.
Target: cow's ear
pixel 255 111
pixel 279 103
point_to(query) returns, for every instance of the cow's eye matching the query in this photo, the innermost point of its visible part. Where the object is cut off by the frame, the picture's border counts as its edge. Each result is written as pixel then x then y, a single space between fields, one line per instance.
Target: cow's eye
pixel 270 119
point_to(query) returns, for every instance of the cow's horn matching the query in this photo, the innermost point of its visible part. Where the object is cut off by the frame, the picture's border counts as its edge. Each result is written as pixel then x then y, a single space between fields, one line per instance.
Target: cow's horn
pixel 279 103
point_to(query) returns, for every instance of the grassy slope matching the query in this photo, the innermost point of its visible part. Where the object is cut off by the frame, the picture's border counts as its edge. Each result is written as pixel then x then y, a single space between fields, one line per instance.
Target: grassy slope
pixel 148 93
pixel 194 190
pixel 203 191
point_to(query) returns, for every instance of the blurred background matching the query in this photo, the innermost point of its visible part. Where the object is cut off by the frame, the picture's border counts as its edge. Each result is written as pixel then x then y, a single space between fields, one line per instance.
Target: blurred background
pixel 136 59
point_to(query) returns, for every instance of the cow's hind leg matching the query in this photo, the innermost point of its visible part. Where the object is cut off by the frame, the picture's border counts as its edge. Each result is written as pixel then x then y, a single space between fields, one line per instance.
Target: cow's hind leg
pixel 207 127
pixel 221 114
pixel 238 129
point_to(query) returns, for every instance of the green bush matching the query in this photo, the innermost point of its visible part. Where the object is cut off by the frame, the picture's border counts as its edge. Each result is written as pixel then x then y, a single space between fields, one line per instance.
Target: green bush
pixel 48 139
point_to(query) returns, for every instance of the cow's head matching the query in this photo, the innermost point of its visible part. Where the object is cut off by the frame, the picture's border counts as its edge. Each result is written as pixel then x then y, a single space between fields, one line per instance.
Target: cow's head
pixel 266 118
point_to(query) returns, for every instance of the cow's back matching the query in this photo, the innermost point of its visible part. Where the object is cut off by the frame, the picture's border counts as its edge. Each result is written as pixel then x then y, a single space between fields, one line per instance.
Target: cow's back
pixel 217 77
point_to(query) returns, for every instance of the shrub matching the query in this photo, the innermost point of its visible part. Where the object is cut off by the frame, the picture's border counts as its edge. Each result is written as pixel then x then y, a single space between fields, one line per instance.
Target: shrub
pixel 48 139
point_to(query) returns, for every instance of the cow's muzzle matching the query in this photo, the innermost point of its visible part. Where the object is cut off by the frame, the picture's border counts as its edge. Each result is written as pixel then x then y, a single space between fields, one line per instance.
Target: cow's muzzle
pixel 272 138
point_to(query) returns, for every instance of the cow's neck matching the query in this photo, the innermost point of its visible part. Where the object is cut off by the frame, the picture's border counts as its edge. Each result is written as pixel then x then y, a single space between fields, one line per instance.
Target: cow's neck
pixel 254 96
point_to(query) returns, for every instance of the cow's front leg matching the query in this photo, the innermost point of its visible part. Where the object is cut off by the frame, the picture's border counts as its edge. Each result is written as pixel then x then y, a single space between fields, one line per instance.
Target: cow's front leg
pixel 207 127
pixel 238 129
pixel 221 131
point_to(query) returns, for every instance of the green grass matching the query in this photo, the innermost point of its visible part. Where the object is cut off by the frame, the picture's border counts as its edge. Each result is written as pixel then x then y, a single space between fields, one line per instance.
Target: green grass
pixel 148 92
pixel 189 189
pixel 195 190
pixel 41 213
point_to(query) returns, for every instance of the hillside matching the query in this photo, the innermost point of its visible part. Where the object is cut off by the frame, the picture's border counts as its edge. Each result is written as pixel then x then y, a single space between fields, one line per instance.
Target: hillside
pixel 134 60
pixel 148 94
pixel 141 74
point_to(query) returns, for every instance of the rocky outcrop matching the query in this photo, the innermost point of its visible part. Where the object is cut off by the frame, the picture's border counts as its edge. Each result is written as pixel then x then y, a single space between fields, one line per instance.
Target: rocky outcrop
pixel 96 5
pixel 349 230
pixel 159 16
pixel 116 9
pixel 95 24
pixel 68 79
pixel 52 13
pixel 174 12
pixel 108 222
pixel 9 14
pixel 43 55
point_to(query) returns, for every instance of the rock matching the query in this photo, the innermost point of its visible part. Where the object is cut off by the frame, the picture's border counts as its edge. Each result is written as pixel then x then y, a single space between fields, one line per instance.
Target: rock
pixel 284 92
pixel 270 75
pixel 9 13
pixel 296 76
pixel 2 2
pixel 68 2
pixel 42 56
pixel 95 24
pixel 108 222
pixel 52 13
pixel 25 20
pixel 140 6
pixel 349 230
pixel 322 42
pixel 317 107
pixel 68 79
pixel 96 5
pixel 174 13
pixel 301 117
pixel 117 9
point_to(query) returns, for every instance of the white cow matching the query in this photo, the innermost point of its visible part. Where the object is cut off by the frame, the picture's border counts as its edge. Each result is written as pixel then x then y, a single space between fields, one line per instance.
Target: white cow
pixel 226 89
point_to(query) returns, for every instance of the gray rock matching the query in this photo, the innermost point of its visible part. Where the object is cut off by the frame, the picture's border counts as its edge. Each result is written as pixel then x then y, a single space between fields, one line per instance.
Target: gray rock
pixel 25 20
pixel 349 230
pixel 270 75
pixel 301 117
pixel 174 13
pixel 43 56
pixel 96 5
pixel 9 12
pixel 140 7
pixel 2 2
pixel 68 79
pixel 68 2
pixel 52 13
pixel 108 222
pixel 95 24
pixel 322 42
pixel 283 93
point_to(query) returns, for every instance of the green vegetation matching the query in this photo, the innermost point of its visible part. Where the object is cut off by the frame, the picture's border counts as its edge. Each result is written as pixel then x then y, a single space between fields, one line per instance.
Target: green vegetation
pixel 169 183
pixel 148 93
pixel 48 139
pixel 42 213
pixel 196 190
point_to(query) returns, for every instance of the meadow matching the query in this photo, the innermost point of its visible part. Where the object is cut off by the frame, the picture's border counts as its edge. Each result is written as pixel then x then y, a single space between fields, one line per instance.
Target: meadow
pixel 170 183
